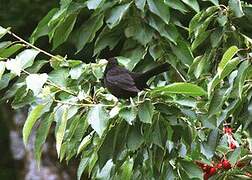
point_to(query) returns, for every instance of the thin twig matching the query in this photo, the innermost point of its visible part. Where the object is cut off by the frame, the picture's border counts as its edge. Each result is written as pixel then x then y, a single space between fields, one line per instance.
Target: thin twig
pixel 82 104
pixel 34 47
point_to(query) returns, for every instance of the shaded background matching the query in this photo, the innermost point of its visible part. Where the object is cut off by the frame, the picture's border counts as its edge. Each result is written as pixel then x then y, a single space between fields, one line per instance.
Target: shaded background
pixel 17 162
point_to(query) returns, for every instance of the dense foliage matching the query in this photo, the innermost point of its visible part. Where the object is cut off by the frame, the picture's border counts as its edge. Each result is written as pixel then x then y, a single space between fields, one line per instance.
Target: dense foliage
pixel 196 118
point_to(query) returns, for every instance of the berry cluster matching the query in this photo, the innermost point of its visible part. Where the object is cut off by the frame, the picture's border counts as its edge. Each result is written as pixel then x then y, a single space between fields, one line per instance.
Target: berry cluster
pixel 223 164
pixel 210 170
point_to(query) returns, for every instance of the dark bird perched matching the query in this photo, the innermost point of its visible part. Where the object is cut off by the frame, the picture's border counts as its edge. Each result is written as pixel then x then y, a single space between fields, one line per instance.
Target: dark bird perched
pixel 125 84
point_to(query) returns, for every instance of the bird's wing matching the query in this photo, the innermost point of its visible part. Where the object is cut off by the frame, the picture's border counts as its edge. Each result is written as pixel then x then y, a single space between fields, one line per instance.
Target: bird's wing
pixel 121 78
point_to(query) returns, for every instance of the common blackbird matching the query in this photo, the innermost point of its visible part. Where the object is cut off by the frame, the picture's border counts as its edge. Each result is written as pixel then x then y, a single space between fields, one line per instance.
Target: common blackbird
pixel 125 84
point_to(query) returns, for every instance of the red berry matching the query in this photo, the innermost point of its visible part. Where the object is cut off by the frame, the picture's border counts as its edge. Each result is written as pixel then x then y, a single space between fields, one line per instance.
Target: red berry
pixel 212 171
pixel 219 166
pixel 226 164
pixel 227 130
pixel 206 168
pixel 232 146
pixel 206 176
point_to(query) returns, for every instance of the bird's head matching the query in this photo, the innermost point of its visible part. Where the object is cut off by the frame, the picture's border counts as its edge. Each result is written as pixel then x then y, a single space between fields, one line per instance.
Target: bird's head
pixel 112 61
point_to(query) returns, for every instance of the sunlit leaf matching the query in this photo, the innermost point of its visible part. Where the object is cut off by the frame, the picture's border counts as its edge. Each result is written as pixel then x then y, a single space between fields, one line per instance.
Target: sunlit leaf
pixel 93 4
pixel 116 15
pixel 83 164
pixel 159 8
pixel 2 69
pixel 3 31
pixel 145 113
pixel 140 4
pixel 33 116
pixel 235 6
pixel 41 135
pixel 228 55
pixel 14 65
pixel 35 82
pixel 180 88
pixel 98 119
pixel 60 129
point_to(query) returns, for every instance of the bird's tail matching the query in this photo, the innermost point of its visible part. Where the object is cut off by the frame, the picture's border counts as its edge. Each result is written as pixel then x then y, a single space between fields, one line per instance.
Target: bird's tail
pixel 155 71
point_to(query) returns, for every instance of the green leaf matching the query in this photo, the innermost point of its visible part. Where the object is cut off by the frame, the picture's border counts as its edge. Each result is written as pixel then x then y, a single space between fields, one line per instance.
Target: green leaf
pixel 183 52
pixel 5 53
pixel 3 31
pixel 42 28
pixel 2 69
pixel 229 67
pixel 203 26
pixel 216 37
pixel 84 143
pixel 88 30
pixel 108 37
pixel 216 102
pixel 128 113
pixel 60 129
pixel 140 4
pixel 59 77
pixel 113 144
pixel 159 8
pixel 194 22
pixel 33 116
pixel 98 119
pixel 193 4
pixel 82 166
pixel 116 15
pixel 228 55
pixel 5 44
pixel 200 39
pixel 208 148
pixel 235 156
pixel 127 168
pixel 105 172
pixel 146 111
pixel 139 31
pixel 41 135
pixel 134 139
pixel 135 53
pixel 168 31
pixel 35 82
pixel 63 30
pixel 235 6
pixel 198 66
pixel 178 5
pixel 180 88
pixel 94 4
pixel 191 169
pixel 4 81
pixel 240 79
